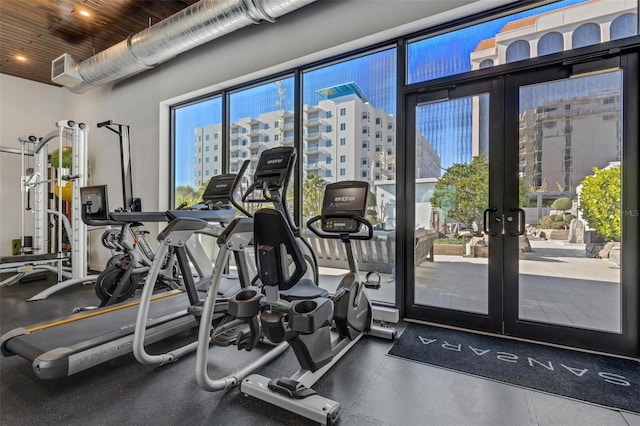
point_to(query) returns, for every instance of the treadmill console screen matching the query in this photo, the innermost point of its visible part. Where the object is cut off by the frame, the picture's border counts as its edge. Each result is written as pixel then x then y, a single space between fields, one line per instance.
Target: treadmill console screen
pixel 273 166
pixel 95 205
pixel 343 201
pixel 219 188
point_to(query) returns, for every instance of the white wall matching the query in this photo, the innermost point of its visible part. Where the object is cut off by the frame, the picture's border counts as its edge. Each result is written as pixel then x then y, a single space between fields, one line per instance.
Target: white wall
pixel 26 108
pixel 319 30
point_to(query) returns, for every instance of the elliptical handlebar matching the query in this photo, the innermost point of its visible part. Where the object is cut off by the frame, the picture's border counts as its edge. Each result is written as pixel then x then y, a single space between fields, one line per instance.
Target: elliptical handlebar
pixel 352 235
pixel 235 185
pixel 271 177
pixel 267 198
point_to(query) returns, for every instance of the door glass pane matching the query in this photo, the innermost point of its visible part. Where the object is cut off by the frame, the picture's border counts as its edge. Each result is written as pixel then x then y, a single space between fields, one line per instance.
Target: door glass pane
pixel 452 174
pixel 570 146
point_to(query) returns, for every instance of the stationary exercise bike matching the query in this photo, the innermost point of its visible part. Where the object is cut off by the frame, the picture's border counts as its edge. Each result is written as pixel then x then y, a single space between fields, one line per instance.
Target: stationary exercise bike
pixel 292 310
pixel 320 329
pixel 126 237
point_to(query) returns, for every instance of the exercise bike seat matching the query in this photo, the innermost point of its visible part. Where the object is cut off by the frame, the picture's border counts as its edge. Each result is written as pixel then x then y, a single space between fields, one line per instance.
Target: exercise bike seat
pixel 302 290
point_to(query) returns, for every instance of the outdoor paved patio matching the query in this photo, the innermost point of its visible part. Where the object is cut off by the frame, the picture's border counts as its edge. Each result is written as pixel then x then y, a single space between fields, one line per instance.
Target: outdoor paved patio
pixel 558 284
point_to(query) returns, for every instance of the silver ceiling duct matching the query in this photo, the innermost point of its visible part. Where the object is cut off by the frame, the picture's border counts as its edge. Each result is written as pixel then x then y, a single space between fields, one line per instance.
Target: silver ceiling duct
pixel 197 24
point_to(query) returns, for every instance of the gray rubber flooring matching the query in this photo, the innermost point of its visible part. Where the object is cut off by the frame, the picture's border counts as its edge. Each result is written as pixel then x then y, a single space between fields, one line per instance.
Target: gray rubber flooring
pixel 373 388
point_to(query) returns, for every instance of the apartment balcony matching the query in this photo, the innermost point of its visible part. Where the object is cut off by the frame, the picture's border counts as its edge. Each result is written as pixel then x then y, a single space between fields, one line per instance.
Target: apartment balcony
pixel 235 147
pixel 234 160
pixel 312 136
pixel 312 122
pixel 288 140
pixel 319 169
pixel 312 109
pixel 288 126
pixel 312 148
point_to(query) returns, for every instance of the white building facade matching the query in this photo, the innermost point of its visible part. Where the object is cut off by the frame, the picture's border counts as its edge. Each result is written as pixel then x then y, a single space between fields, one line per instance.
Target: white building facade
pixel 344 138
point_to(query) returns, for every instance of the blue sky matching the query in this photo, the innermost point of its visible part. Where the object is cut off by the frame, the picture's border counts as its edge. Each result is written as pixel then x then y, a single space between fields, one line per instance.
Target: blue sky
pixel 375 74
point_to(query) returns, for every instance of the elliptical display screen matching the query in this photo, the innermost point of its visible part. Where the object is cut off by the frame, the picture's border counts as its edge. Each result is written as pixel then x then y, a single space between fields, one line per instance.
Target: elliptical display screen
pixel 219 188
pixel 273 166
pixel 342 202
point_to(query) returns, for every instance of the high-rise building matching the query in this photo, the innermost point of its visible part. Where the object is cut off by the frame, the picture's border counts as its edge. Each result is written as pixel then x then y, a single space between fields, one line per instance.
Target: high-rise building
pixel 579 25
pixel 207 161
pixel 344 138
pixel 561 140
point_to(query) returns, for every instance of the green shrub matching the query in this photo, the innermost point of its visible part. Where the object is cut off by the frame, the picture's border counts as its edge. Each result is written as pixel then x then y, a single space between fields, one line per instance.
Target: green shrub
pixel 563 204
pixel 453 241
pixel 600 202
pixel 555 221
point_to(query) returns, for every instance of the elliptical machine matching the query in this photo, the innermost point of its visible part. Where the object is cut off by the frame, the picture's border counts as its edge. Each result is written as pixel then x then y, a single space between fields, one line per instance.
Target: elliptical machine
pixel 231 313
pixel 193 263
pixel 246 324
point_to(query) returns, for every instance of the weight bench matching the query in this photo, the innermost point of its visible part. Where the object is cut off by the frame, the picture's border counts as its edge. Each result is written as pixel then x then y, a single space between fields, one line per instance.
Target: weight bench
pixel 25 265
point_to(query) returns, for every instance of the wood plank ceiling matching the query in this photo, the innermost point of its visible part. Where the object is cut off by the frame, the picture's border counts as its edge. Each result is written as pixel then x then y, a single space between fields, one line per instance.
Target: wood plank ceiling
pixel 38 31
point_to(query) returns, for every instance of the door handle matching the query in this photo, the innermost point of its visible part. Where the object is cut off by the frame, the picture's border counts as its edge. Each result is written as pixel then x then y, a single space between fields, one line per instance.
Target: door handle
pixel 485 220
pixel 521 219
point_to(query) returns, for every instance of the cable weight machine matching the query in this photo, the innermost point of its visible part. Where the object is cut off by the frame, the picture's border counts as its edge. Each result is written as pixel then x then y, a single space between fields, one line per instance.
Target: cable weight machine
pixel 48 252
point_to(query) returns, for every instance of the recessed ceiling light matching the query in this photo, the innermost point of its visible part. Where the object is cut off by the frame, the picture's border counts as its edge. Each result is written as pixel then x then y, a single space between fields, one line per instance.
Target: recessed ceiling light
pixel 21 58
pixel 85 13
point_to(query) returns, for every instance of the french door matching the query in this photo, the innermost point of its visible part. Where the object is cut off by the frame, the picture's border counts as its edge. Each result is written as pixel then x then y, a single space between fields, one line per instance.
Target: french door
pixel 526 185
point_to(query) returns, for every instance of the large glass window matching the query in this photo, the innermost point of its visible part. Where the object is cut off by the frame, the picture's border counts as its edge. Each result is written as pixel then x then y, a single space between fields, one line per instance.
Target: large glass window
pixel 353 91
pixel 342 101
pixel 196 151
pixel 540 31
pixel 252 114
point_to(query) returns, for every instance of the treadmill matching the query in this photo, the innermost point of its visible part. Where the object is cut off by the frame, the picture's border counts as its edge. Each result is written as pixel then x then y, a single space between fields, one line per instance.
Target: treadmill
pixel 69 345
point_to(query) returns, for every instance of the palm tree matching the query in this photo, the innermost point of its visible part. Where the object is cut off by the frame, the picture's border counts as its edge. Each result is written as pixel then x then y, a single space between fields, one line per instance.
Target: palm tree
pixel 313 192
pixel 185 194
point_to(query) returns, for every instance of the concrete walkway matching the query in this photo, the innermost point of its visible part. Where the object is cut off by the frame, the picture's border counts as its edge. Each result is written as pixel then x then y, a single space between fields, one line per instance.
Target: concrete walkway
pixel 558 284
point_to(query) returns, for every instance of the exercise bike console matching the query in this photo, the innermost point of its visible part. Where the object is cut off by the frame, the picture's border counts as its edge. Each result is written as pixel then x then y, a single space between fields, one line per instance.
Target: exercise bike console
pixel 343 211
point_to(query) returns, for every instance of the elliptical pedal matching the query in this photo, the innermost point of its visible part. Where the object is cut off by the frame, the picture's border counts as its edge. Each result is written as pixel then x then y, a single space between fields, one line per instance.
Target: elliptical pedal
pixel 291 388
pixel 231 336
pixel 372 280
